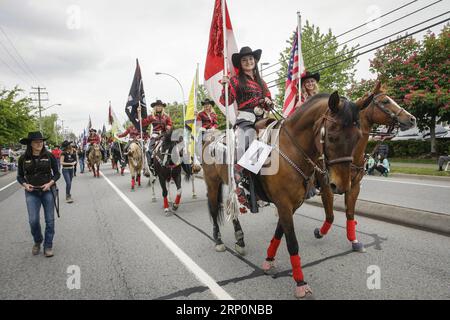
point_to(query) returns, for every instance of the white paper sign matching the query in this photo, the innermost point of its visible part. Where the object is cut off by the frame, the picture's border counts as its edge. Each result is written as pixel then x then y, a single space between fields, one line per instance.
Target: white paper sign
pixel 255 156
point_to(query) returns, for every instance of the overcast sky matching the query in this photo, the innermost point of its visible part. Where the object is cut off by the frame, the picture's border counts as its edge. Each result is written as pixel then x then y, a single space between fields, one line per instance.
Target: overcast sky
pixel 84 51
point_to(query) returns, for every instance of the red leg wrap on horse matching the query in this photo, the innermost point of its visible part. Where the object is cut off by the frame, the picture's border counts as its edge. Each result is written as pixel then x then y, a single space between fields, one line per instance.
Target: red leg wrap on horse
pixel 273 247
pixel 166 203
pixel 178 198
pixel 132 183
pixel 325 228
pixel 297 272
pixel 351 230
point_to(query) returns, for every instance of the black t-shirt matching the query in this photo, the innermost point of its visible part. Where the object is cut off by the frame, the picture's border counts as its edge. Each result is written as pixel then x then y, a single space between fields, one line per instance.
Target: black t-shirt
pixel 68 157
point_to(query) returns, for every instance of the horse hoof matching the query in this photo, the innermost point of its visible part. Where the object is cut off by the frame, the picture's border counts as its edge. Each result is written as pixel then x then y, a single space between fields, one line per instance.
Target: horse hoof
pixel 240 250
pixel 174 207
pixel 317 234
pixel 153 199
pixel 269 267
pixel 303 292
pixel 194 196
pixel 167 212
pixel 220 247
pixel 358 247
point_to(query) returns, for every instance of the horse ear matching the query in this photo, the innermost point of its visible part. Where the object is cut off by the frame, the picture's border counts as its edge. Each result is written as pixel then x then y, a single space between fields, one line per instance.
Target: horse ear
pixel 377 88
pixel 333 102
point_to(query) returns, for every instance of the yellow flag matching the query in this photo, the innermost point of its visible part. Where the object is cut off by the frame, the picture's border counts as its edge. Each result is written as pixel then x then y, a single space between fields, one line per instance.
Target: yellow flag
pixel 190 118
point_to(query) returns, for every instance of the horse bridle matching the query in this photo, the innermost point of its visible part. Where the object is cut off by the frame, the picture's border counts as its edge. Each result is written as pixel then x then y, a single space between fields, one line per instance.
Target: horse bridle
pixel 394 116
pixel 326 163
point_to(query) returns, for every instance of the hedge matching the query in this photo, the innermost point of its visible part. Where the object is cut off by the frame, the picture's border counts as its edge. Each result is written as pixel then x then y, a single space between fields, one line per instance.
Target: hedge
pixel 411 148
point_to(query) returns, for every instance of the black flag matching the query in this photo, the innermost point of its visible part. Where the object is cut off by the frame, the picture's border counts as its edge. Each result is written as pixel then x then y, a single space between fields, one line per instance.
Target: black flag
pixel 136 94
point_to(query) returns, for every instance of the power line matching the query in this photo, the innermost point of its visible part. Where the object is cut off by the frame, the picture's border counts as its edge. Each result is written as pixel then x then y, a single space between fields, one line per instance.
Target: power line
pixel 357 48
pixel 13 71
pixel 360 26
pixel 388 24
pixel 365 46
pixel 20 56
pixel 373 49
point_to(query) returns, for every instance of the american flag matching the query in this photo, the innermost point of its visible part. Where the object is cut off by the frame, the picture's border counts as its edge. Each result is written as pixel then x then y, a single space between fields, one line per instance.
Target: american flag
pixel 295 70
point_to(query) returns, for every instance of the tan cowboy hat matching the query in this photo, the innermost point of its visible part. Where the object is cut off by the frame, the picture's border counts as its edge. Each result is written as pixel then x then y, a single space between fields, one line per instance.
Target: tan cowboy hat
pixel 245 51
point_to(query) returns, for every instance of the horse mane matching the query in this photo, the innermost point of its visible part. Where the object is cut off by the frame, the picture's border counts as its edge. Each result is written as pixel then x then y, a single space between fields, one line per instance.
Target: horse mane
pixel 167 142
pixel 349 114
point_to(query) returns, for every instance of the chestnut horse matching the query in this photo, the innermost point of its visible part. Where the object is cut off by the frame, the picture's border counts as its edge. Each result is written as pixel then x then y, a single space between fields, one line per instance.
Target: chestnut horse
pixel 94 160
pixel 325 128
pixel 135 162
pixel 382 110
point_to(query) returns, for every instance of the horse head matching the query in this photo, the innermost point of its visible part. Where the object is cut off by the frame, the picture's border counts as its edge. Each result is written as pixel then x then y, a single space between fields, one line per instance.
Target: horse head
pixel 382 109
pixel 337 134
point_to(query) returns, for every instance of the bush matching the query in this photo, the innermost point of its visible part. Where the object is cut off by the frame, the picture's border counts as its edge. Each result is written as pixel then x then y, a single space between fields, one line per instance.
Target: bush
pixel 411 148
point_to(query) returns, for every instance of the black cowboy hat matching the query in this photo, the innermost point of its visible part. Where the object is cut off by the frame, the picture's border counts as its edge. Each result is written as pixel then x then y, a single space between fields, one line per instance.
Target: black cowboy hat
pixel 245 51
pixel 158 103
pixel 92 130
pixel 65 144
pixel 309 75
pixel 35 135
pixel 207 101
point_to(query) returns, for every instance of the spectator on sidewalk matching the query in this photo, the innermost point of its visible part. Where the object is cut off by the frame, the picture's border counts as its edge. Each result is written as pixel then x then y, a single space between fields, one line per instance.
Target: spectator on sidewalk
pixel 370 166
pixel 442 160
pixel 383 165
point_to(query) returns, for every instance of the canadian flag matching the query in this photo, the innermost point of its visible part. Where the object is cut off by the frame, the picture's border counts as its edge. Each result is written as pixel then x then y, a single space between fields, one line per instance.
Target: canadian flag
pixel 215 57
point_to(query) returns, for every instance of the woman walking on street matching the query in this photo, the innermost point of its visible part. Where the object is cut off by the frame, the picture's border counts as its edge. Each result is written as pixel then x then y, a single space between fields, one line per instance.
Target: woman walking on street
pixel 68 162
pixel 37 173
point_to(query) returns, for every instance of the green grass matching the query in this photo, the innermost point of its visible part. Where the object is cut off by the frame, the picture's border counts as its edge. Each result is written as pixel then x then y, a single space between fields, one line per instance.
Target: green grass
pixel 413 160
pixel 420 171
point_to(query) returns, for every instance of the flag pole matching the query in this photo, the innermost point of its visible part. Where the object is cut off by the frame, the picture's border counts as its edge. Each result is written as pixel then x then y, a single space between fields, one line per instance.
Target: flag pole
pixel 194 131
pixel 227 112
pixel 299 43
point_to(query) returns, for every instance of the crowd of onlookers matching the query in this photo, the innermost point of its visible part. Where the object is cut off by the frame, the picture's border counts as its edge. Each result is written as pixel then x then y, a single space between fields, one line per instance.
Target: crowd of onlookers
pixel 8 160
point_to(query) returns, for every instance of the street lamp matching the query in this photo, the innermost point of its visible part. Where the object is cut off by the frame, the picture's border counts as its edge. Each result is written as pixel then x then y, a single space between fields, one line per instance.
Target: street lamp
pixel 184 105
pixel 56 104
pixel 40 113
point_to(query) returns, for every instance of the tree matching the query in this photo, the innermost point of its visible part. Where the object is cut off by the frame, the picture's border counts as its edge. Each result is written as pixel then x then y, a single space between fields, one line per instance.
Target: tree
pixel 16 116
pixel 320 51
pixel 51 130
pixel 417 74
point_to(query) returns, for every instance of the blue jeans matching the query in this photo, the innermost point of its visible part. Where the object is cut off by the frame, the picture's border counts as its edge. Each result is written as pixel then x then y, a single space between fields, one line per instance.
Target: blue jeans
pixel 34 201
pixel 68 175
pixel 81 160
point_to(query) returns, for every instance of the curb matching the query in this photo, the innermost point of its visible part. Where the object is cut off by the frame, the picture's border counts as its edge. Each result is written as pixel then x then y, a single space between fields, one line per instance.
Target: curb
pixel 419 177
pixel 418 219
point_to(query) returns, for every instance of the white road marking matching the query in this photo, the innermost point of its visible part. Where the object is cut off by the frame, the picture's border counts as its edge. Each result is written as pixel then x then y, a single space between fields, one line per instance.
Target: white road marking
pixel 412 183
pixel 9 185
pixel 198 272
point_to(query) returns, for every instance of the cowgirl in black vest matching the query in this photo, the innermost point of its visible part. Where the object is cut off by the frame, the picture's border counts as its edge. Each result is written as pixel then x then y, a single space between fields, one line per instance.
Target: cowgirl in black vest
pixel 68 162
pixel 37 173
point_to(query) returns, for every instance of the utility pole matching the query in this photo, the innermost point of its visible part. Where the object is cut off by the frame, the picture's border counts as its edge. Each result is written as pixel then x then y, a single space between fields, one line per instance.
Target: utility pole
pixel 39 100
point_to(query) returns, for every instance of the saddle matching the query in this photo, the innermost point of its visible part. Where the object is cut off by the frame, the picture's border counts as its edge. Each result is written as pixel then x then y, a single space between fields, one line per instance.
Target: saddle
pixel 252 182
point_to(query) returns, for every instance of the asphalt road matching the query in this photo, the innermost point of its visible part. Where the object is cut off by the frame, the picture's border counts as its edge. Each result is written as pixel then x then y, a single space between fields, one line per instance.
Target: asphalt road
pixel 120 253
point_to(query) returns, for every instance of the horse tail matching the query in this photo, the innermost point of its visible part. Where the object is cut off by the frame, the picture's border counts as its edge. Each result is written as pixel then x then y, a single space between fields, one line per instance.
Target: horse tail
pixel 187 168
pixel 218 211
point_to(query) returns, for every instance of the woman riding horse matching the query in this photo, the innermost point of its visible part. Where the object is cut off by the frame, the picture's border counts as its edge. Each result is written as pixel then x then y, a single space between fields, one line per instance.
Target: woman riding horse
pixel 325 129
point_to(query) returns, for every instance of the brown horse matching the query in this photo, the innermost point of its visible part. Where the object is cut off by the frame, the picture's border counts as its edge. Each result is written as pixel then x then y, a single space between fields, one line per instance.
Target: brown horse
pixel 382 110
pixel 94 160
pixel 326 127
pixel 135 161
